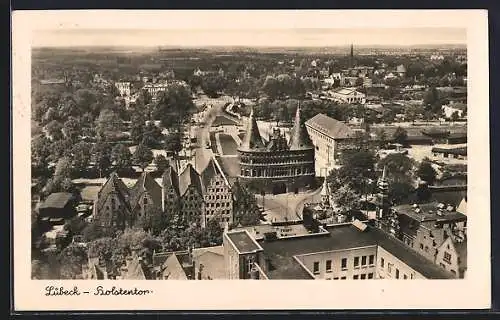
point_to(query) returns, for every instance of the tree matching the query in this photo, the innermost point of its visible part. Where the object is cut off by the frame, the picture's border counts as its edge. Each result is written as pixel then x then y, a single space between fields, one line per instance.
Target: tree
pixel 40 151
pixel 398 167
pixel 455 116
pixel 142 156
pixel 71 260
pixel 137 131
pixel 54 129
pixel 81 155
pixel 357 171
pixel 400 135
pixel 173 143
pixel 214 232
pixel 72 129
pixel 152 135
pixel 174 106
pixel 75 225
pixel 63 168
pixel 426 172
pixel 246 211
pixel 346 199
pixel 108 124
pixel 153 220
pixel 101 156
pixel 121 156
pixel 212 85
pixel 381 137
pixel 40 270
pixel 94 231
pixel 161 162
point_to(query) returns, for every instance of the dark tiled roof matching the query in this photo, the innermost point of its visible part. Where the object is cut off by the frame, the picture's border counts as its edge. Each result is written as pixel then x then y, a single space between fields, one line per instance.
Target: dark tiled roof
pixel 429 212
pixel 170 178
pixel 252 139
pixel 299 138
pixel 145 183
pixel 223 121
pixel 57 200
pixel 330 127
pixel 343 237
pixel 187 178
pixel 114 184
pixel 243 241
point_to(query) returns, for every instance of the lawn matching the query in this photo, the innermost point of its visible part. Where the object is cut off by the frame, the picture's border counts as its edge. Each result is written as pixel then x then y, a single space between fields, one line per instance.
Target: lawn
pixel 229 146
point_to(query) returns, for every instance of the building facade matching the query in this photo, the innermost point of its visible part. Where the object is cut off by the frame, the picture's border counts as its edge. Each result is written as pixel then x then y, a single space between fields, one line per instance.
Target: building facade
pixel 217 194
pixel 349 95
pixel 277 166
pixel 328 136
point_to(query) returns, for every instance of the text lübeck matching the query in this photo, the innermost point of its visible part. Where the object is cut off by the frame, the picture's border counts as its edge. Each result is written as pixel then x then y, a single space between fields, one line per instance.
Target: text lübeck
pixel 98 291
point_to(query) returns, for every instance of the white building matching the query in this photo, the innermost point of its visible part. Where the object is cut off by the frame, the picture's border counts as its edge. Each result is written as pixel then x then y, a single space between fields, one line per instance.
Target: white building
pixel 449 110
pixel 327 135
pixel 348 95
pixel 123 88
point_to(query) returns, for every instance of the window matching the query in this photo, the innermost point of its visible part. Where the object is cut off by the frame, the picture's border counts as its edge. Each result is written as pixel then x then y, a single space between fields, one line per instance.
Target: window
pixel 363 260
pixel 454 272
pixel 405 276
pixel 328 278
pixel 421 246
pixel 447 257
pixel 316 268
pixel 344 264
pixel 382 262
pixel 389 267
pixel 397 273
pixel 370 275
pixel 363 276
pixel 328 265
pixel 356 262
pixel 371 260
pixel 442 265
pixel 355 277
pixel 145 200
pixel 336 278
pixel 343 278
pixel 411 276
pixel 426 248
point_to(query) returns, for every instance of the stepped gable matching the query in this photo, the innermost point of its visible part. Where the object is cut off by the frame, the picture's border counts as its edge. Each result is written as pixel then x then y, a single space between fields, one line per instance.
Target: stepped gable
pixel 113 185
pixel 170 178
pixel 145 183
pixel 299 138
pixel 252 139
pixel 189 177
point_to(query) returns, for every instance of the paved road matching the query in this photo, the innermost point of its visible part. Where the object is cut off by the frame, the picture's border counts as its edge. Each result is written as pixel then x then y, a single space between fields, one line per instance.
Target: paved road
pixel 203 154
pixel 288 206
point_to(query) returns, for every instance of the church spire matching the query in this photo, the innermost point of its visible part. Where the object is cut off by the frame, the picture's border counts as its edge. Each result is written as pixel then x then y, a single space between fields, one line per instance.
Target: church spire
pixel 252 139
pixel 299 138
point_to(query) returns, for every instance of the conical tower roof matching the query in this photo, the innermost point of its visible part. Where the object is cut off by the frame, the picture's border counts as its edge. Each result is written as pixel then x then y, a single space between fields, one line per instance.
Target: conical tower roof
pixel 299 138
pixel 252 139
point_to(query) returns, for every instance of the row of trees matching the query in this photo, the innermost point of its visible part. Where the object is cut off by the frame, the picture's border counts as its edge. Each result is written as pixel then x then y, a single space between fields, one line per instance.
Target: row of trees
pixel 357 178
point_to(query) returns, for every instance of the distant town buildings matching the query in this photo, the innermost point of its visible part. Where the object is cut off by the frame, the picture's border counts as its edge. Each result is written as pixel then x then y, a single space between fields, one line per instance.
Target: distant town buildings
pixel 123 88
pixel 348 95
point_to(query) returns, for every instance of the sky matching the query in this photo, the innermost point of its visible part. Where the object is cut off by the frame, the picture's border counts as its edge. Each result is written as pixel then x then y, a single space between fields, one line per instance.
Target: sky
pixel 298 37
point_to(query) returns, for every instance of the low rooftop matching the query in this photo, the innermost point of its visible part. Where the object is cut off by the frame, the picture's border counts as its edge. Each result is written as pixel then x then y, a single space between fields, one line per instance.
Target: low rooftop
pixel 280 253
pixel 432 211
pixel 243 242
pixel 57 200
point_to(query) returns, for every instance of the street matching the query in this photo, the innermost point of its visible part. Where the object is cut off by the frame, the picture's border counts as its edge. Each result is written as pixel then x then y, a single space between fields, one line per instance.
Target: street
pixel 202 153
